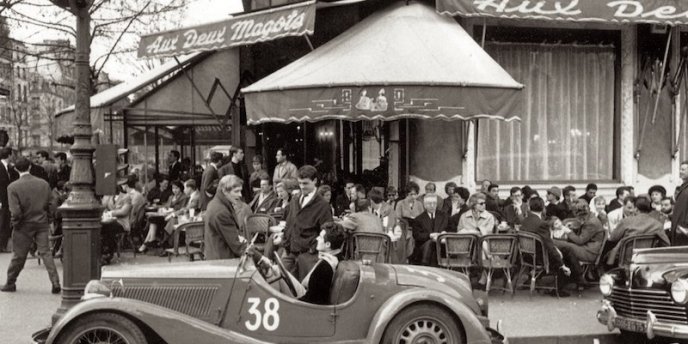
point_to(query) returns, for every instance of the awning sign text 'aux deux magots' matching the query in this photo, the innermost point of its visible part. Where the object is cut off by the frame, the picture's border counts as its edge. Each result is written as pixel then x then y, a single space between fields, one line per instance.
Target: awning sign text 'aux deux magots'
pixel 294 20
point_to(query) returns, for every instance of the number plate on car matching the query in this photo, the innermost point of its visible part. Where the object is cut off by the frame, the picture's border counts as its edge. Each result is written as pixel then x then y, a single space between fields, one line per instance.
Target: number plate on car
pixel 630 324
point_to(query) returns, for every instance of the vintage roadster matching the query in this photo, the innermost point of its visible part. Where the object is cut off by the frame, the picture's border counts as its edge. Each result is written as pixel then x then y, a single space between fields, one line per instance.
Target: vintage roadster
pixel 649 297
pixel 230 301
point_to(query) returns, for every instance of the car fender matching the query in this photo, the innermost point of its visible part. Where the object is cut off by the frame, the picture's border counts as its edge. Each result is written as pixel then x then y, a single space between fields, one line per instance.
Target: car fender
pixel 474 330
pixel 171 326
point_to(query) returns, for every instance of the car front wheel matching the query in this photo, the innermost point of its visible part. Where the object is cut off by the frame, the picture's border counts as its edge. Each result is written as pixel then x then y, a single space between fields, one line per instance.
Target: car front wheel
pixel 422 324
pixel 103 328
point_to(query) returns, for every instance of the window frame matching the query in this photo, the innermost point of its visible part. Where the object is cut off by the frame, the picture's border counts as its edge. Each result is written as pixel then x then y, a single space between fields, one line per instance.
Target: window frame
pixel 542 30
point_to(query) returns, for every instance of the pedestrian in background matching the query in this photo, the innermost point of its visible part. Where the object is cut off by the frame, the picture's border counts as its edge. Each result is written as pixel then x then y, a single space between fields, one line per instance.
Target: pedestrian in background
pixel 208 185
pixel 29 200
pixel 7 175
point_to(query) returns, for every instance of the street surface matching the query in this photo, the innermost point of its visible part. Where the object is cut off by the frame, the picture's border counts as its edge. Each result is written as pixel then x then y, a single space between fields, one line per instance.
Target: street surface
pixel 542 319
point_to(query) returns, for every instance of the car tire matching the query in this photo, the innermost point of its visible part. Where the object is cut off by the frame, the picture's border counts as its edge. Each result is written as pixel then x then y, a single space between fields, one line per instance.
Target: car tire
pixel 424 321
pixel 105 327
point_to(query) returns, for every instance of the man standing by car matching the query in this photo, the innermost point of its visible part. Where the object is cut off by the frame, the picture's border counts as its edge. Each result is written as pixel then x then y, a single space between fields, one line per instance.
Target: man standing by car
pixel 305 214
pixel 29 199
pixel 679 220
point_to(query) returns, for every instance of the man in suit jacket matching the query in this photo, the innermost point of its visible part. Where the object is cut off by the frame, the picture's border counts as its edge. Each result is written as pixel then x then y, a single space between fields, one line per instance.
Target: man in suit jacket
pixel 343 201
pixel 305 215
pixel 561 259
pixel 426 226
pixel 265 201
pixel 235 165
pixel 30 198
pixel 7 175
pixel 209 177
pixel 640 224
pixel 516 211
pixel 176 169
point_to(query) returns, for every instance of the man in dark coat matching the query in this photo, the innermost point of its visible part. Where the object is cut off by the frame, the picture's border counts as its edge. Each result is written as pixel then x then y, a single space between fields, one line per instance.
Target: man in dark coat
pixel 222 234
pixel 426 226
pixel 235 165
pixel 305 214
pixel 176 169
pixel 209 177
pixel 30 199
pixel 562 259
pixel 344 200
pixel 679 220
pixel 7 175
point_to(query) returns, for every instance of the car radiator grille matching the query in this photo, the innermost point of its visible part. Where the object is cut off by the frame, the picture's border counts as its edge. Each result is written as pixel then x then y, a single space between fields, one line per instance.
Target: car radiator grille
pixel 191 300
pixel 634 303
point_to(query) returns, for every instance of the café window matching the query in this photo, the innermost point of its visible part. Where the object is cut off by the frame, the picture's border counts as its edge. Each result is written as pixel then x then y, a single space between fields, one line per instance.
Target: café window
pixel 567 127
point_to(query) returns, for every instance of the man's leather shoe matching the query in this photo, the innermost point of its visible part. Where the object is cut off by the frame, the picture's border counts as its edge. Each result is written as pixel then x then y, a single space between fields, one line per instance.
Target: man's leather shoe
pixel 9 288
pixel 56 289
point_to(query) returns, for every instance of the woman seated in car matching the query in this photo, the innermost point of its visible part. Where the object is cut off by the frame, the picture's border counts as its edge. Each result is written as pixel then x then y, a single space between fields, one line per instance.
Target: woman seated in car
pixel 315 287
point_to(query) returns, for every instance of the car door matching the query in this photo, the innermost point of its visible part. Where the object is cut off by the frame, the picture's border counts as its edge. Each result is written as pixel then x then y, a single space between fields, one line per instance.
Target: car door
pixel 268 314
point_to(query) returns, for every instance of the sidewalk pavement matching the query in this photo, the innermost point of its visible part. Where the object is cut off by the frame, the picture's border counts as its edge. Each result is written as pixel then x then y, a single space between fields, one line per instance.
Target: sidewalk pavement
pixel 538 320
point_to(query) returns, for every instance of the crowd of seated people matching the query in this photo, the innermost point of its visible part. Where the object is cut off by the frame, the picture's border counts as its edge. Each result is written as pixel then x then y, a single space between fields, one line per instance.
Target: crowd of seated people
pixel 573 226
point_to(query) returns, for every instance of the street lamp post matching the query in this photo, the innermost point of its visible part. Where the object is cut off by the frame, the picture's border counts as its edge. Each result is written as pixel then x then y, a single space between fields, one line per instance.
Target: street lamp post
pixel 81 211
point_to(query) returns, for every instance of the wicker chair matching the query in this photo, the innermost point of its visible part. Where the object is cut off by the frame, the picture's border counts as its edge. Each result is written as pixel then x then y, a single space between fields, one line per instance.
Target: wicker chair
pixel 535 261
pixel 193 240
pixel 371 246
pixel 628 244
pixel 498 252
pixel 457 251
pixel 259 224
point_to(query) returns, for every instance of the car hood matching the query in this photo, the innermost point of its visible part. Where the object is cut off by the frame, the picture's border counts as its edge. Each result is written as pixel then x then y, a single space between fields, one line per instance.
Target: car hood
pixel 226 268
pixel 447 281
pixel 655 267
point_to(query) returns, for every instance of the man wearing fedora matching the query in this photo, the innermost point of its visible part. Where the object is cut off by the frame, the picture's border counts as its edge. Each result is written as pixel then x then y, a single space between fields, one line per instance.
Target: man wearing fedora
pixel 553 206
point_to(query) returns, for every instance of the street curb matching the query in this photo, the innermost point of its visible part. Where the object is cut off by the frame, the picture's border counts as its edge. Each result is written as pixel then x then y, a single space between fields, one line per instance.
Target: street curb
pixel 607 338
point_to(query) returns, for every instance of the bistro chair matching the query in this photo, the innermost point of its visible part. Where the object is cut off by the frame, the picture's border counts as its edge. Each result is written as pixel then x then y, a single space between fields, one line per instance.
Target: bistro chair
pixel 121 238
pixel 259 224
pixel 371 246
pixel 456 251
pixel 193 240
pixel 498 252
pixel 628 244
pixel 593 267
pixel 535 262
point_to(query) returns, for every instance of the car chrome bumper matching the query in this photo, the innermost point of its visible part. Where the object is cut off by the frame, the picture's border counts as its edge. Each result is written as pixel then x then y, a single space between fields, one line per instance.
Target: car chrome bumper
pixel 41 336
pixel 651 326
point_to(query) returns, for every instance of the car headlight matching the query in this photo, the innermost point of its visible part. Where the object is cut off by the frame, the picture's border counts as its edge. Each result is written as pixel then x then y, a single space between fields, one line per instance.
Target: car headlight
pixel 606 284
pixel 679 291
pixel 95 289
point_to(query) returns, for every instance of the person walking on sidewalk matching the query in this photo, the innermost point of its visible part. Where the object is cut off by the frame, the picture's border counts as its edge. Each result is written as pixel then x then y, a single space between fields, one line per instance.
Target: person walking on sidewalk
pixel 29 199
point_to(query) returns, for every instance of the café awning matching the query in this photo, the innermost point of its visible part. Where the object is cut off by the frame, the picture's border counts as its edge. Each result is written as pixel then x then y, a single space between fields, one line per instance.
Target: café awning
pixel 405 61
pixel 669 12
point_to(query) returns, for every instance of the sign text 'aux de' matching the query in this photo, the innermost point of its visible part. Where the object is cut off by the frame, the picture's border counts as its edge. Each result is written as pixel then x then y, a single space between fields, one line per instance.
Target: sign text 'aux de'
pixel 670 12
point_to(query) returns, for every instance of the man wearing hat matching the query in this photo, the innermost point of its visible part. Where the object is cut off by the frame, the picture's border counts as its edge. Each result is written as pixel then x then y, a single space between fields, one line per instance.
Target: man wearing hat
pixel 553 207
